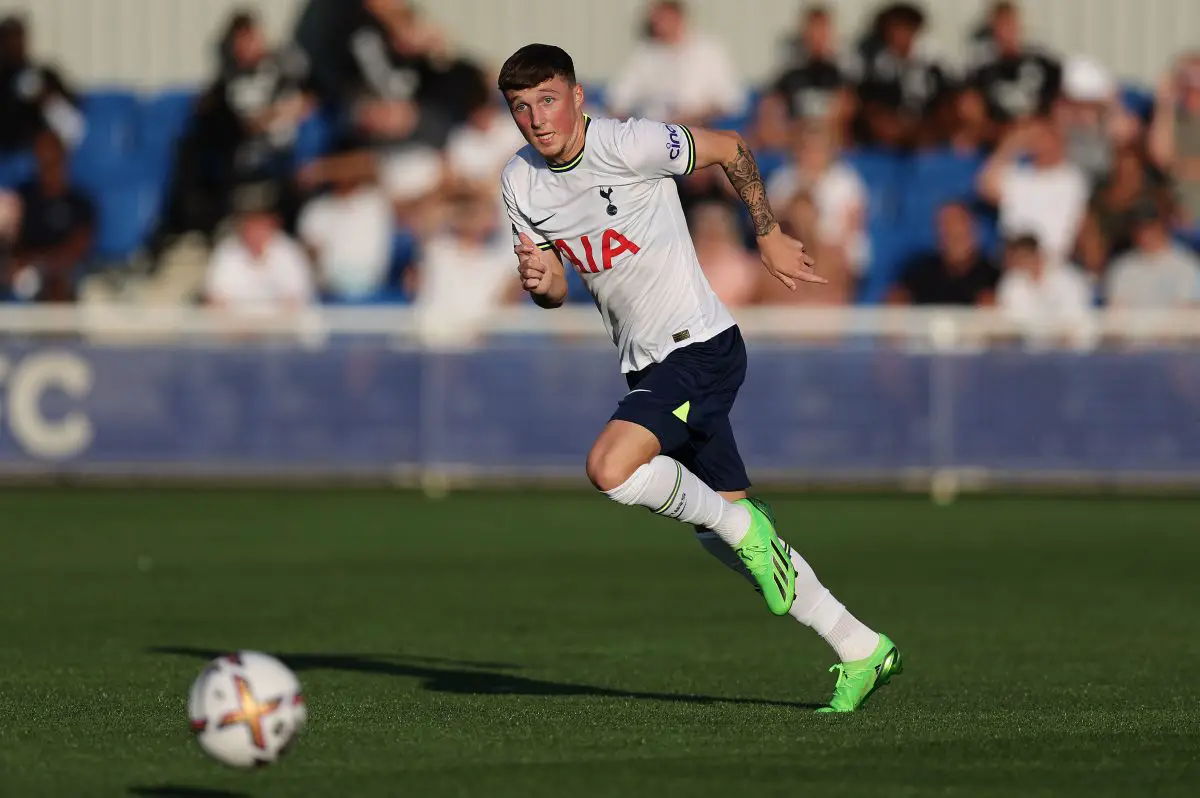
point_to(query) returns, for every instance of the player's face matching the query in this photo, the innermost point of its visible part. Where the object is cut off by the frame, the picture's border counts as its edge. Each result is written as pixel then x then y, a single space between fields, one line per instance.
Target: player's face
pixel 550 116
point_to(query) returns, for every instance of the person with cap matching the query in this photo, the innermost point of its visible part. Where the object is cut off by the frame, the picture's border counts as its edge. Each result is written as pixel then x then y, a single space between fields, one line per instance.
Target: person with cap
pixel 1092 119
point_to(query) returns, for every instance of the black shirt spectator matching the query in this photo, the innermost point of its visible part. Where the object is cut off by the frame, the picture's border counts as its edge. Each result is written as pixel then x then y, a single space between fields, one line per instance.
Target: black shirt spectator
pixel 372 53
pixel 251 113
pixel 931 280
pixel 897 85
pixel 56 228
pixel 957 273
pixel 1017 80
pixel 811 82
pixel 244 130
pixel 32 97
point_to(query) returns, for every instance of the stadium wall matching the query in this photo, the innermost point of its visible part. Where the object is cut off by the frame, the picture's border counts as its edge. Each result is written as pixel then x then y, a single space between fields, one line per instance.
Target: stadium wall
pixel 845 398
pixel 155 43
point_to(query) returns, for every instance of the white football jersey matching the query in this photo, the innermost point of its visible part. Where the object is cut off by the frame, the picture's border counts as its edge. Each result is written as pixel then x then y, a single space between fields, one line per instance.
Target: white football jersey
pixel 613 214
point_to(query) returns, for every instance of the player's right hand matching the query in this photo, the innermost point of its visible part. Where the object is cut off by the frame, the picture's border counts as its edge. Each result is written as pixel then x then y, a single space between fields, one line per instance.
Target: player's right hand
pixel 788 260
pixel 534 266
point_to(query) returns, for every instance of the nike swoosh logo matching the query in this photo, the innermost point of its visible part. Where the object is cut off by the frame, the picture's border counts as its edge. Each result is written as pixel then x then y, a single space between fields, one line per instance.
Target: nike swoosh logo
pixel 543 221
pixel 638 390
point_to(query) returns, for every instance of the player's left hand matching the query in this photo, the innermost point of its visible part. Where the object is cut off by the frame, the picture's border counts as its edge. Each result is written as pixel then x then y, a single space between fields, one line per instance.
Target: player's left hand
pixel 787 260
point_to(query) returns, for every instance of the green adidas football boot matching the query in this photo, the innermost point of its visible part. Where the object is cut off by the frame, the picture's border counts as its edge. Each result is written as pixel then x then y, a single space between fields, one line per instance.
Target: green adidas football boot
pixel 859 679
pixel 767 559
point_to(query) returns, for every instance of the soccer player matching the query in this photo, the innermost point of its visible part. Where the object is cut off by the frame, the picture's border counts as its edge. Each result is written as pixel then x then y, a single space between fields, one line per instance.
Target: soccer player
pixel 597 194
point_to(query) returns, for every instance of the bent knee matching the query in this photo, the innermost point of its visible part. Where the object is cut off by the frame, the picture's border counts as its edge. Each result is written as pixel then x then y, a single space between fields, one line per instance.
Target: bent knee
pixel 608 473
pixel 621 449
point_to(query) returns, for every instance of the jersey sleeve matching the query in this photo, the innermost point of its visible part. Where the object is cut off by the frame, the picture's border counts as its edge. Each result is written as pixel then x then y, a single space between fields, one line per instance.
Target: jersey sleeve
pixel 519 221
pixel 656 149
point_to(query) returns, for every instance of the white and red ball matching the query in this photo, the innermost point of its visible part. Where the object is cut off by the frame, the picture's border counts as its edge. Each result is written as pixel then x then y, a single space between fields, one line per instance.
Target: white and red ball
pixel 246 709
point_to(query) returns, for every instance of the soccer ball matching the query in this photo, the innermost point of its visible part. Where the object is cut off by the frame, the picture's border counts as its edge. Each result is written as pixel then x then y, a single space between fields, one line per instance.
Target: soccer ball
pixel 246 709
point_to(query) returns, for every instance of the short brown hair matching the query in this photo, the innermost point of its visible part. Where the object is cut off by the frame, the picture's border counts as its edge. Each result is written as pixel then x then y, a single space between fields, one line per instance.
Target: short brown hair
pixel 535 64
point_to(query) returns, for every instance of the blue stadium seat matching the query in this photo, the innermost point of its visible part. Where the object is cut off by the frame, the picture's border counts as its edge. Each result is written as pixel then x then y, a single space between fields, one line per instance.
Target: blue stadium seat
pixel 111 137
pixel 882 172
pixel 162 121
pixel 1138 101
pixel 315 136
pixel 16 168
pixel 127 212
pixel 892 246
pixel 935 178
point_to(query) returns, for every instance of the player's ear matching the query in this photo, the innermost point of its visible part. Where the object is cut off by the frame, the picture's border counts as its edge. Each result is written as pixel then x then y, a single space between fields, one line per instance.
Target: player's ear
pixel 579 98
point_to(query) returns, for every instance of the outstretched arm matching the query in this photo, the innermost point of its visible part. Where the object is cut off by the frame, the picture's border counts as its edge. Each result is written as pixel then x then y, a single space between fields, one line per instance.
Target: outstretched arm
pixel 785 258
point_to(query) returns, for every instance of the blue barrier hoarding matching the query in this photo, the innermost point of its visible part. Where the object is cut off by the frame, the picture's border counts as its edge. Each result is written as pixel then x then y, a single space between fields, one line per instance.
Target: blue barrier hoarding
pixel 530 408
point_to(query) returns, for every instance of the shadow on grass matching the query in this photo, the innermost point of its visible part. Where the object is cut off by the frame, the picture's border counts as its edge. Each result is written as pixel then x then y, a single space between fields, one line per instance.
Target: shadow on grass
pixel 464 678
pixel 172 791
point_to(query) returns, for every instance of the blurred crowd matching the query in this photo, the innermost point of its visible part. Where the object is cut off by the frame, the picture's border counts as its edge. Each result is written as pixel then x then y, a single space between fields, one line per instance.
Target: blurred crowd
pixel 358 162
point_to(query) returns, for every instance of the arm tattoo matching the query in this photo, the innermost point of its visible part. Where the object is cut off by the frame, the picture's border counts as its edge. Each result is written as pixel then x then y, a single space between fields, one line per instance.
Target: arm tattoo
pixel 743 174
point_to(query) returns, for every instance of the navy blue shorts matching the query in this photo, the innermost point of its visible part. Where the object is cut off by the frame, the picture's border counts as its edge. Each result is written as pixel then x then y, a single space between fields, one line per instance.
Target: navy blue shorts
pixel 685 401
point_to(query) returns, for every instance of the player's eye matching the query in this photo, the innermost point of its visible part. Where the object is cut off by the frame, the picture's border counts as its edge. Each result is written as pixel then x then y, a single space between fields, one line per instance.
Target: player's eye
pixel 520 107
pixel 547 100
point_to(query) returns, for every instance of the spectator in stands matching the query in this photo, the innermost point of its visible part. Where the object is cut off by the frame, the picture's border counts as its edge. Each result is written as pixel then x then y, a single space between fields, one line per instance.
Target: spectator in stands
pixel 676 73
pixel 731 270
pixel 1174 138
pixel 57 227
pixel 390 66
pixel 1158 273
pixel 957 273
pixel 245 125
pixel 1016 80
pixel 33 97
pixel 1092 256
pixel 404 90
pixel 1130 185
pixel 1092 119
pixel 465 273
pixel 813 85
pixel 837 191
pixel 1048 301
pixel 348 233
pixel 799 219
pixel 258 270
pixel 898 84
pixel 10 228
pixel 1046 197
pixel 479 148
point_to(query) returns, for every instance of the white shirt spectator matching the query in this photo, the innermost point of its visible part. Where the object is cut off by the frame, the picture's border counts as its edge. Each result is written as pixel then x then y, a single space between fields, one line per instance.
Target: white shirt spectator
pixel 840 199
pixel 1149 280
pixel 1047 203
pixel 677 82
pixel 479 154
pixel 352 237
pixel 461 283
pixel 1055 304
pixel 279 280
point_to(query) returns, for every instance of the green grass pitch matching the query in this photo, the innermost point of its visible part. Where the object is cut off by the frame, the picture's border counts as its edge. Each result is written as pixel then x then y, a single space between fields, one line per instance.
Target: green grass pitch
pixel 549 644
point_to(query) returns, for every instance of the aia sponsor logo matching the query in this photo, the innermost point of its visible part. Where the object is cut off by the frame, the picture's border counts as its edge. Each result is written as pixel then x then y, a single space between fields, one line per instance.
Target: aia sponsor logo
pixel 612 246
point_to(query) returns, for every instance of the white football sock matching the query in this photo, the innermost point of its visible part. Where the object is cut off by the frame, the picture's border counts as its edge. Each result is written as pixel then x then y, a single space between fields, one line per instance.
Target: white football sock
pixel 814 606
pixel 665 487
